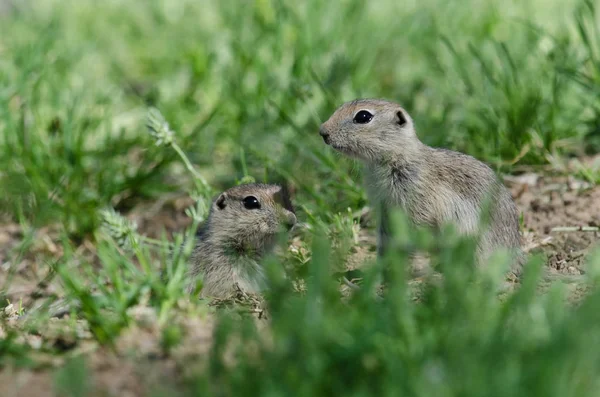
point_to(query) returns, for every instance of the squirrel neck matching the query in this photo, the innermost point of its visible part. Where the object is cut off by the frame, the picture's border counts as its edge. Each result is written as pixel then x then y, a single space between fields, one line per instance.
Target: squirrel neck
pixel 228 246
pixel 224 262
pixel 411 153
pixel 396 177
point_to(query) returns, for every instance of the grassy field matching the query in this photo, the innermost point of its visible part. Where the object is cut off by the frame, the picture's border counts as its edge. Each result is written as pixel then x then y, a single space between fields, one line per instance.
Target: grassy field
pixel 91 203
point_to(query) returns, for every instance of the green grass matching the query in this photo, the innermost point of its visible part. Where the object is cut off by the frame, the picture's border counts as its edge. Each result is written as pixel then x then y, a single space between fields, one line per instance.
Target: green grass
pixel 244 87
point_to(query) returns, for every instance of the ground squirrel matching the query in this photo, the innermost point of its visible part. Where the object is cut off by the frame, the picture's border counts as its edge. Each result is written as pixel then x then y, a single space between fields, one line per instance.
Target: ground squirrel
pixel 241 228
pixel 433 186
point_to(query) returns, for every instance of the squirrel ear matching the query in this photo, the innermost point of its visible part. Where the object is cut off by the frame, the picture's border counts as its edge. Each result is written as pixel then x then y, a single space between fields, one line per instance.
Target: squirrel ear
pixel 401 118
pixel 287 191
pixel 220 202
pixel 284 194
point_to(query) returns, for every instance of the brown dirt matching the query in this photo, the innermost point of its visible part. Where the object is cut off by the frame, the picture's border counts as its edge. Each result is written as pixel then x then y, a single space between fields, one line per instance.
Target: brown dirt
pixel 551 202
pixel 168 214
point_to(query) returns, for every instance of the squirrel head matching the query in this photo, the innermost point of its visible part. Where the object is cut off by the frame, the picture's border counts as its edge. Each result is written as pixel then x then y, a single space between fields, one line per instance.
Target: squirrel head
pixel 248 217
pixel 372 130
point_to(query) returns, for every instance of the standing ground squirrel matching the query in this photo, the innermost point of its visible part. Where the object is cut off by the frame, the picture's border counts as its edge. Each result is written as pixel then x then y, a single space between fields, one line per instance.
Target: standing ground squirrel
pixel 433 186
pixel 242 227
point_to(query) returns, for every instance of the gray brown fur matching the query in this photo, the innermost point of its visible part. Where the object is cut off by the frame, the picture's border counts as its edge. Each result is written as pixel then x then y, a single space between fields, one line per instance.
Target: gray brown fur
pixel 433 186
pixel 234 239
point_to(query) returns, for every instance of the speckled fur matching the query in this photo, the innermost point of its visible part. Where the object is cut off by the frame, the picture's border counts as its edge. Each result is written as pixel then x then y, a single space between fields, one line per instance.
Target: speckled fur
pixel 433 186
pixel 233 239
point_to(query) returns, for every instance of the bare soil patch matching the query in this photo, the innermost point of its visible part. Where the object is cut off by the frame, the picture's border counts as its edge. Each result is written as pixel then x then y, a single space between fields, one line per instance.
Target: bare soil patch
pixel 561 201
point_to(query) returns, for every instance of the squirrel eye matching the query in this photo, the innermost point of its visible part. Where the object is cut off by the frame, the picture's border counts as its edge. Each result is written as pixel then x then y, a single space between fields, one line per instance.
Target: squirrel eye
pixel 363 117
pixel 251 203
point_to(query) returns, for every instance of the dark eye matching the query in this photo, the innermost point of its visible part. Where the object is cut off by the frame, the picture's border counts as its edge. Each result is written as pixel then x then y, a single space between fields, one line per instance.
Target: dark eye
pixel 251 203
pixel 363 117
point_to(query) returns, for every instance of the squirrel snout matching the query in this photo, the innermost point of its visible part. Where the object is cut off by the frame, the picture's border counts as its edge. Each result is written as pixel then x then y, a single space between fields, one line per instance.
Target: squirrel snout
pixel 323 132
pixel 290 220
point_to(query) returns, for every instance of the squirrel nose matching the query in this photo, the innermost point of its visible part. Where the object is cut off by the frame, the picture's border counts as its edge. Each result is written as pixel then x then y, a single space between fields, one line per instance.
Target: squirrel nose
pixel 290 220
pixel 323 132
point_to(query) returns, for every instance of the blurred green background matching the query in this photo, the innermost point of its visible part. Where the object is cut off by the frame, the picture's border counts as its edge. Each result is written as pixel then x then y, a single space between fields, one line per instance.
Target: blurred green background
pixel 246 84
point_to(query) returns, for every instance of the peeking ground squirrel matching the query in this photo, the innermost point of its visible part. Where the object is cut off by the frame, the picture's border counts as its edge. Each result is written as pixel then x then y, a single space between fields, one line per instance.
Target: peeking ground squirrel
pixel 242 227
pixel 433 186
